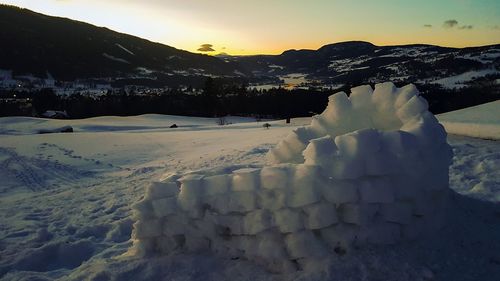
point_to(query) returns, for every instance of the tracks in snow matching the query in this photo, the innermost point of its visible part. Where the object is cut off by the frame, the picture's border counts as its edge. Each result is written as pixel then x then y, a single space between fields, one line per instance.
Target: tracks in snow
pixel 35 174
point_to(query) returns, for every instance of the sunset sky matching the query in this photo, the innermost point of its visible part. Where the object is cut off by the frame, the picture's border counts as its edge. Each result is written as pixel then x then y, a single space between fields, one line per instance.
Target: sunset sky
pixel 272 26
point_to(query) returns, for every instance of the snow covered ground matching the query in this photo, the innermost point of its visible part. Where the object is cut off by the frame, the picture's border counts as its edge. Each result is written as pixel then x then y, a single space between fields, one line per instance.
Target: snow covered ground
pixel 481 121
pixel 65 203
pixel 460 81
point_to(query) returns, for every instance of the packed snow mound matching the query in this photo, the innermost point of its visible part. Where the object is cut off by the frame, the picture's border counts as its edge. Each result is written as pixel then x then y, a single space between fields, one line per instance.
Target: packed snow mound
pixel 371 169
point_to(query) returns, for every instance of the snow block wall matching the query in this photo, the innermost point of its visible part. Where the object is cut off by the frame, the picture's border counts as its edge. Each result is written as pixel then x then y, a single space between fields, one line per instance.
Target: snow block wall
pixel 371 169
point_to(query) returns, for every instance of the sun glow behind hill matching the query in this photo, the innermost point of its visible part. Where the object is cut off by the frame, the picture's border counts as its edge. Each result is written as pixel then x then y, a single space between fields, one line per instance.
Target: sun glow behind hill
pixel 251 27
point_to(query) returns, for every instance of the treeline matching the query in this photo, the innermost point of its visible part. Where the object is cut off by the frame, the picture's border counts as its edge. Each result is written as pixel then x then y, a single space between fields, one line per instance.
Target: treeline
pixel 217 99
pixel 444 100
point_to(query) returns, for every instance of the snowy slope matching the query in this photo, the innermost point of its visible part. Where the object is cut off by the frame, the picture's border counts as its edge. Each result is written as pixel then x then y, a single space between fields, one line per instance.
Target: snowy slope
pixel 65 203
pixel 29 125
pixel 459 81
pixel 481 121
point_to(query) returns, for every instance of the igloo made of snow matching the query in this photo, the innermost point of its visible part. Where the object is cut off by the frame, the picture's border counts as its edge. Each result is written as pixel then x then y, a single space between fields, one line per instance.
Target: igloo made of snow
pixel 371 169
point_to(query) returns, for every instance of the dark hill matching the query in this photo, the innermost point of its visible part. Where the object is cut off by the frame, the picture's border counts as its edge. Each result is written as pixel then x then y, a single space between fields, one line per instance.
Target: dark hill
pixel 33 43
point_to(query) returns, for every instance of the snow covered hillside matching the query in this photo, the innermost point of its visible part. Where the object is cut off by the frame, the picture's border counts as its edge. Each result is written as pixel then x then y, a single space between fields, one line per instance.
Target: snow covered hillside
pixel 481 121
pixel 65 203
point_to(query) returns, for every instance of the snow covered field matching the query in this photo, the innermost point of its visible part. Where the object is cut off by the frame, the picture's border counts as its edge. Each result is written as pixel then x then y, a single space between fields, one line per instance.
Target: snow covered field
pixel 65 203
pixel 459 81
pixel 481 121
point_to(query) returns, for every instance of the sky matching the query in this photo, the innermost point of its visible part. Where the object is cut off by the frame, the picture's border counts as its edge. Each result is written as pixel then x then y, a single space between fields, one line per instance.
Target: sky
pixel 272 26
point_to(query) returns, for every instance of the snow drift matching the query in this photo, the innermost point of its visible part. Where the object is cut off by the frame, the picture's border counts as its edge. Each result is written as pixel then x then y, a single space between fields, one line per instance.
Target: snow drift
pixel 480 121
pixel 371 169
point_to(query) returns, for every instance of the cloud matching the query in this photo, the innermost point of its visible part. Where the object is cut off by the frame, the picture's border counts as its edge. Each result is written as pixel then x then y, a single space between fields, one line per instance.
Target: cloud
pixel 466 27
pixel 206 48
pixel 497 27
pixel 428 25
pixel 222 54
pixel 450 23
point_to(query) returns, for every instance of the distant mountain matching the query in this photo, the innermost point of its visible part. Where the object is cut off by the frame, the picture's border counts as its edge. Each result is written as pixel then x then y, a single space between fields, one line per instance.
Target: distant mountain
pixel 362 62
pixel 40 45
pixel 37 45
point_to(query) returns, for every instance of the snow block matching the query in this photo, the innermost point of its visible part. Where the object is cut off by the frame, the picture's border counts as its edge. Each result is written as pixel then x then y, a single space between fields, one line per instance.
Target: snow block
pixel 191 191
pixel 381 163
pixel 359 214
pixel 159 190
pixel 413 108
pixel 398 142
pixel 270 246
pixel 289 150
pixel 289 220
pixel 271 199
pixel 397 212
pixel 174 225
pixel 358 143
pixel 164 207
pixel 340 236
pixel 361 97
pixel 246 179
pixel 304 244
pixel 303 189
pixel 143 247
pixel 320 215
pixel 205 227
pixel 376 190
pixel 338 106
pixel 218 184
pixel 274 177
pixel 318 126
pixel 241 202
pixel 340 191
pixel 147 229
pixel 195 244
pixel 320 152
pixel 166 244
pixel 372 168
pixel 231 225
pixel 347 168
pixel 218 204
pixel 257 221
pixel 383 98
pixel 143 210
pixel 405 94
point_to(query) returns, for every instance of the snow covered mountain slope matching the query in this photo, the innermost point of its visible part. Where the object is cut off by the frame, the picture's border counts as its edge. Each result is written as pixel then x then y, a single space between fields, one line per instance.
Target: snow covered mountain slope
pixel 481 121
pixel 128 60
pixel 65 204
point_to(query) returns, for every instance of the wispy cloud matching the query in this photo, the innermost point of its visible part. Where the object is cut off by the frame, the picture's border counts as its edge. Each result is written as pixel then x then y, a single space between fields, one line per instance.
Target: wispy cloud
pixel 428 25
pixel 466 27
pixel 450 23
pixel 206 48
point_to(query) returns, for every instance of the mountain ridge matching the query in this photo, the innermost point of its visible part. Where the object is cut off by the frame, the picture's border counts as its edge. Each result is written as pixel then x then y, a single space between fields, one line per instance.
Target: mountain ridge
pixel 45 46
pixel 32 40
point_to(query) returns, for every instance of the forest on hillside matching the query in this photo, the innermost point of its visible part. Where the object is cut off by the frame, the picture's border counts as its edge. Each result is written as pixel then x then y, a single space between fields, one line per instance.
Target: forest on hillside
pixel 217 98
